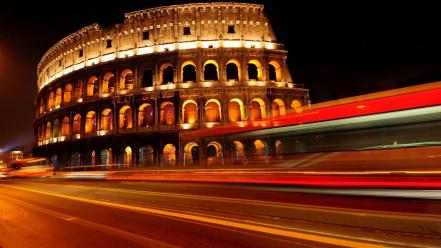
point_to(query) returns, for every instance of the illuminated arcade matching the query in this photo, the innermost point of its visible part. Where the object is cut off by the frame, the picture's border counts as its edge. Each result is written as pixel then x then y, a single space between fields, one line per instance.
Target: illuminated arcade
pixel 123 94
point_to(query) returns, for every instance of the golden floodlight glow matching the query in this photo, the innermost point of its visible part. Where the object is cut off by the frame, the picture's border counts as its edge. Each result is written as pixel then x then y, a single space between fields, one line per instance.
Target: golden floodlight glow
pixel 158 48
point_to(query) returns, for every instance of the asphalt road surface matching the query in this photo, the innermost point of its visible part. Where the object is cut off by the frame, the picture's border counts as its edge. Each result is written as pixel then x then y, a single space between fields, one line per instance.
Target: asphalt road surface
pixel 81 213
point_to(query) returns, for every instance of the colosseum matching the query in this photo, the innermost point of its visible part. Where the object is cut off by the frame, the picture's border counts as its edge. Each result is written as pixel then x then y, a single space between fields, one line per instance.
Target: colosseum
pixel 124 94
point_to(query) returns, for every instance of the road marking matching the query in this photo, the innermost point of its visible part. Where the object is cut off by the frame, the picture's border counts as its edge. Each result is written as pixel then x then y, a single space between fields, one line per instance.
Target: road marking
pixel 332 210
pixel 142 240
pixel 228 223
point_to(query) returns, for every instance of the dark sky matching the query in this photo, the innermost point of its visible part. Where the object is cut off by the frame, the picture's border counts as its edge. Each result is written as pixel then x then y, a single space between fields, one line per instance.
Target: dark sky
pixel 336 50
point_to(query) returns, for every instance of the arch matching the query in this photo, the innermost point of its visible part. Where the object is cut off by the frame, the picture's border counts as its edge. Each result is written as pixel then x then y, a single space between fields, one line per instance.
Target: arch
pixel 56 128
pixel 211 70
pixel 50 100
pixel 278 147
pixel 232 70
pixel 58 96
pixel 67 97
pixel 278 108
pixel 41 106
pixel 166 73
pixel 106 119
pixel 146 156
pixel 92 86
pixel 236 111
pixel 76 126
pixel 213 110
pixel 48 133
pixel 188 71
pixel 274 71
pixel 90 125
pixel 258 111
pixel 106 156
pixel 259 147
pixel 191 153
pixel 108 83
pixel 128 158
pixel 190 112
pixel 169 154
pixel 238 150
pixel 126 80
pixel 78 89
pixel 125 117
pixel 214 152
pixel 146 115
pixel 65 126
pixel 167 113
pixel 254 70
pixel 296 105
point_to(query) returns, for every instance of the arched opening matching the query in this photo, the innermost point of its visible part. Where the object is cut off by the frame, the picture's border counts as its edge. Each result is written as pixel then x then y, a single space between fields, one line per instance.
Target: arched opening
pixel 278 147
pixel 274 71
pixel 65 126
pixel 238 152
pixel 169 154
pixel 254 70
pixel 41 105
pixel 167 113
pixel 214 153
pixel 128 156
pixel 58 96
pixel 259 148
pixel 75 159
pixel 146 115
pixel 147 78
pixel 48 133
pixel 79 89
pixel 90 125
pixel 166 74
pixel 106 119
pixel 125 117
pixel 126 80
pixel 106 156
pixel 190 112
pixel 56 128
pixel 76 126
pixel 188 72
pixel 67 98
pixel 50 100
pixel 92 86
pixel 296 105
pixel 212 111
pixel 146 157
pixel 278 108
pixel 211 71
pixel 191 154
pixel 257 109
pixel 235 110
pixel 108 85
pixel 232 70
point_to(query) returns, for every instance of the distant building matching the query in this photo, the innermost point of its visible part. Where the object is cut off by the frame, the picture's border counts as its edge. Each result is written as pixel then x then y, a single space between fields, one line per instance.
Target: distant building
pixel 123 94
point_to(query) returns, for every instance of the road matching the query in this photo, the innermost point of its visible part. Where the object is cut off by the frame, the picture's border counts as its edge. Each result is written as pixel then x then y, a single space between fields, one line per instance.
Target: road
pixel 88 213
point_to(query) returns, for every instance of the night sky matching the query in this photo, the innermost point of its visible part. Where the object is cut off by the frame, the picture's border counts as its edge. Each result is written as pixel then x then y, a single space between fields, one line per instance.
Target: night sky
pixel 336 50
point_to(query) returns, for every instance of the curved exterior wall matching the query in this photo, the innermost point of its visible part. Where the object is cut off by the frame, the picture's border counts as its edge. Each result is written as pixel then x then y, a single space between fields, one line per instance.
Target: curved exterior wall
pixel 112 95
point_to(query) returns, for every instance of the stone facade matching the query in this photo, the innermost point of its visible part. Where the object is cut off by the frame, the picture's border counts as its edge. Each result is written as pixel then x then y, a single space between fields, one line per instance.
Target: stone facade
pixel 122 94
